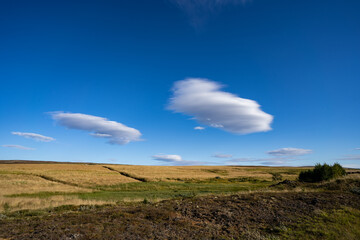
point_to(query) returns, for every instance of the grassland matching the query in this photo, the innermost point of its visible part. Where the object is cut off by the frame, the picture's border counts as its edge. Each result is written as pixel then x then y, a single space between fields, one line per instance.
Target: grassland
pixel 183 173
pixel 42 185
pixel 103 201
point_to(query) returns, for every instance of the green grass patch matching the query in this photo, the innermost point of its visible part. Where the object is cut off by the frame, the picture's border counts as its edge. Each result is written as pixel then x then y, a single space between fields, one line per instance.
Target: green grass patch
pixel 155 190
pixel 337 224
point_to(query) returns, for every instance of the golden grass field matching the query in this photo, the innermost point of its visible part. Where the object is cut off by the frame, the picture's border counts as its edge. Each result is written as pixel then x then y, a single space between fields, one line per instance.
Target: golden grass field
pixel 42 185
pixel 173 173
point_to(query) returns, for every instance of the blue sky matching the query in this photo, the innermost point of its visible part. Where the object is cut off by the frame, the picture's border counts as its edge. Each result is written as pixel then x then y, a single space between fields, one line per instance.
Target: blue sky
pixel 112 69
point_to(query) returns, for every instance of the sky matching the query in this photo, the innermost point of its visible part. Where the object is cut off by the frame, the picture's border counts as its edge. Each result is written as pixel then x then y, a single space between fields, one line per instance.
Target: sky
pixel 181 82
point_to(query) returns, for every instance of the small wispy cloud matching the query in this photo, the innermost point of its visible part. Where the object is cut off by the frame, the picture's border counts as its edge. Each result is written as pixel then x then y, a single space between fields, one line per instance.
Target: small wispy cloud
pixel 289 152
pixel 203 99
pixel 280 157
pixel 275 162
pixel 34 136
pixel 262 161
pixel 357 148
pixel 239 160
pixel 222 155
pixel 18 147
pixel 199 128
pixel 168 158
pixel 100 127
pixel 175 160
pixel 350 157
pixel 198 11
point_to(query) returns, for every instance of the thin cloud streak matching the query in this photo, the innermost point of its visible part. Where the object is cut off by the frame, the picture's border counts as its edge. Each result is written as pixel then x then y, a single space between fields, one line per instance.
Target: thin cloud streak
pixel 222 155
pixel 262 161
pixel 281 157
pixel 203 99
pixel 168 158
pixel 34 136
pixel 100 127
pixel 350 157
pixel 175 160
pixel 289 152
pixel 18 147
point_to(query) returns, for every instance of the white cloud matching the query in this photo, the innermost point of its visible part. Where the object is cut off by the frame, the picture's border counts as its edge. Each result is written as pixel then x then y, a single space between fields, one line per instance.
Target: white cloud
pixel 290 152
pixel 199 128
pixel 100 135
pixel 275 162
pixel 280 161
pixel 350 157
pixel 18 147
pixel 199 11
pixel 237 160
pixel 168 158
pixel 223 155
pixel 351 165
pixel 202 99
pixel 35 136
pixel 176 160
pixel 116 132
pixel 283 156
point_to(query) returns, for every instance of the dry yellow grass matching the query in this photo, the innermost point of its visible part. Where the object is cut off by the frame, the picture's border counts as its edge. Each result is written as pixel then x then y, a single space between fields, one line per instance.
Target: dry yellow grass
pixel 11 183
pixel 24 178
pixel 27 178
pixel 171 173
pixel 20 183
pixel 82 174
pixel 21 203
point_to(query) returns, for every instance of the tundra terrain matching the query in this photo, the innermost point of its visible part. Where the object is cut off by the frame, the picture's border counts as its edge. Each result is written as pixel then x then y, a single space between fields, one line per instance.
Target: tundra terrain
pixel 102 201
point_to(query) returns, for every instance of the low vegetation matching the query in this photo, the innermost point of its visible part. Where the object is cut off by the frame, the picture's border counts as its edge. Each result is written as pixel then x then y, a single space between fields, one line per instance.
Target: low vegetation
pixel 39 185
pixel 260 215
pixel 323 172
pixel 197 202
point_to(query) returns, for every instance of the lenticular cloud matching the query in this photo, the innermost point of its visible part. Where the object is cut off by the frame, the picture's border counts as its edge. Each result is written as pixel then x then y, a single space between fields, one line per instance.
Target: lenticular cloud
pixel 168 158
pixel 116 132
pixel 35 136
pixel 203 99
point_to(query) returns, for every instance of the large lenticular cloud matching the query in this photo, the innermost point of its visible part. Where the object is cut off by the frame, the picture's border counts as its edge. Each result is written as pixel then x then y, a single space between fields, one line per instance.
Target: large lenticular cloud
pixel 116 132
pixel 203 99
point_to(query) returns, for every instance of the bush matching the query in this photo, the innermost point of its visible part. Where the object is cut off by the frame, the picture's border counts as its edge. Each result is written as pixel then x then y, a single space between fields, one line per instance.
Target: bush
pixel 322 173
pixel 338 170
pixel 276 177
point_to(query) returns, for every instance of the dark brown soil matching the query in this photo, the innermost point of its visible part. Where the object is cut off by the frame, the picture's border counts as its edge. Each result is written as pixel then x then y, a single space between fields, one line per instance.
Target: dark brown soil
pixel 210 217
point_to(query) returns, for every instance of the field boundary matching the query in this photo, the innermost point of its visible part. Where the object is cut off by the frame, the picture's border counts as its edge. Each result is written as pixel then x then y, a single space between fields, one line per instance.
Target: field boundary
pixel 125 174
pixel 51 179
pixel 58 180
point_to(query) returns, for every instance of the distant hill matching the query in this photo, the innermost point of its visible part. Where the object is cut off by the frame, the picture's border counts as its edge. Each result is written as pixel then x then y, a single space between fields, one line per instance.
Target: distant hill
pixel 37 162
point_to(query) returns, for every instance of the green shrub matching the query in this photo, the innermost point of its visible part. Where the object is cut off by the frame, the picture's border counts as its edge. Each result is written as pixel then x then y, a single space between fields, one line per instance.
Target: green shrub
pixel 322 173
pixel 338 170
